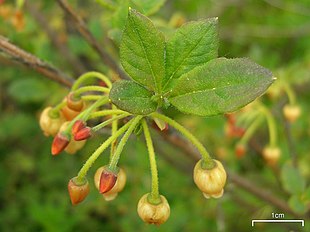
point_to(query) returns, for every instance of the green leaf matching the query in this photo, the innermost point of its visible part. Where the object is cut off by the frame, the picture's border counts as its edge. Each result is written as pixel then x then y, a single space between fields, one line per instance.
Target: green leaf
pixel 148 7
pixel 132 97
pixel 193 44
pixel 297 204
pixel 220 86
pixel 142 51
pixel 291 179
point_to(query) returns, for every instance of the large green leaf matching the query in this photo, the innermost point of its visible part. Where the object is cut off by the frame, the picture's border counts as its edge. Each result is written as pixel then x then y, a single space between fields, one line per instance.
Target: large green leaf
pixel 142 51
pixel 193 44
pixel 222 85
pixel 132 97
pixel 148 7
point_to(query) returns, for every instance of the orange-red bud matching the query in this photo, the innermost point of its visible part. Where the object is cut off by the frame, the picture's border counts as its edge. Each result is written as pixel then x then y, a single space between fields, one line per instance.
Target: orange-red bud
pixel 83 134
pixel 60 142
pixel 107 180
pixel 240 150
pixel 77 192
pixel 77 126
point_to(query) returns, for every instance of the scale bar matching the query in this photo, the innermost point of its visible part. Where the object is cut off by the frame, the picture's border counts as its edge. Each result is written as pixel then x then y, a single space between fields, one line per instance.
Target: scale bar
pixel 280 221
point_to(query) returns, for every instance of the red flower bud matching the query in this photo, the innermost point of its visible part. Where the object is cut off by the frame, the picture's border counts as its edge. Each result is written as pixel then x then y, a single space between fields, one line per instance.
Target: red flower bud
pixel 77 126
pixel 59 143
pixel 107 180
pixel 77 192
pixel 83 134
pixel 240 150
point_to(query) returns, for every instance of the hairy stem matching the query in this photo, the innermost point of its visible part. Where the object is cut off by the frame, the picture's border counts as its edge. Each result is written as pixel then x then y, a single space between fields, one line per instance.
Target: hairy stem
pixel 154 197
pixel 208 162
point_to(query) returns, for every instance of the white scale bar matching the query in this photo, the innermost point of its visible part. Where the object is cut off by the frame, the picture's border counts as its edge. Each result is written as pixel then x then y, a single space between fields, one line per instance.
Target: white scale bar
pixel 279 221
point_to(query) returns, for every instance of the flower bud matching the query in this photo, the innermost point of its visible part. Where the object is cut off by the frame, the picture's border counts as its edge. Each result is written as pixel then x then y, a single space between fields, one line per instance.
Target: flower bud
pixel 118 187
pixel 77 192
pixel 291 112
pixel 73 103
pixel 153 214
pixel 60 142
pixel 271 155
pixel 210 181
pixel 50 125
pixel 107 181
pixel 78 125
pixel 69 113
pixel 83 134
pixel 73 145
pixel 240 150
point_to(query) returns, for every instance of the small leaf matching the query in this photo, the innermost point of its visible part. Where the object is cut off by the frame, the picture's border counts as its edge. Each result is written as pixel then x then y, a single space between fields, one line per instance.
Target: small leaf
pixel 148 7
pixel 220 86
pixel 142 51
pixel 291 179
pixel 132 97
pixel 297 204
pixel 193 44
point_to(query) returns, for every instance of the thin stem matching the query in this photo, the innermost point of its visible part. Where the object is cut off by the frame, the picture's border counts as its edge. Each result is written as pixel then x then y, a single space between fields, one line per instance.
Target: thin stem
pixel 90 75
pixel 208 162
pixel 251 129
pixel 102 113
pixel 55 111
pixel 82 173
pixel 91 97
pixel 84 89
pixel 290 93
pixel 271 125
pixel 111 120
pixel 114 129
pixel 154 196
pixel 119 149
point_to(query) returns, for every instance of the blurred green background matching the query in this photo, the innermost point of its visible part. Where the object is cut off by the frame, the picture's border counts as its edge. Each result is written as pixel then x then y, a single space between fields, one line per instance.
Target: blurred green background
pixel 33 184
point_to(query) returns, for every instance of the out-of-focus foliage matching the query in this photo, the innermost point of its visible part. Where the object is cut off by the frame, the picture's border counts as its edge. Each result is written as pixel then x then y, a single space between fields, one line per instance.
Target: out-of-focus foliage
pixel 33 184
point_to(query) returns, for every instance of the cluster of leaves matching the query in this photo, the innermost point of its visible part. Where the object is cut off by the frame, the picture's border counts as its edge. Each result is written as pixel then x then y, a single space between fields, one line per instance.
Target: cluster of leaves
pixel 183 71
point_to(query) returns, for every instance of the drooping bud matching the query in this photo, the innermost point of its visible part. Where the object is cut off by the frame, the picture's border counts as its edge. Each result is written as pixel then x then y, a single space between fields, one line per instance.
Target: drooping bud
pixel 291 112
pixel 73 145
pixel 60 142
pixel 153 214
pixel 240 150
pixel 50 125
pixel 74 103
pixel 271 155
pixel 118 187
pixel 83 134
pixel 77 126
pixel 210 181
pixel 107 180
pixel 77 192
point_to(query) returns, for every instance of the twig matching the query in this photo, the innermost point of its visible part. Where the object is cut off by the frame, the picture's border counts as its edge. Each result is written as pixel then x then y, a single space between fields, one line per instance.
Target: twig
pixel 81 26
pixel 27 59
pixel 75 63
